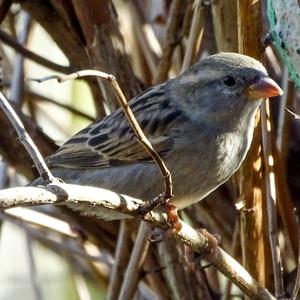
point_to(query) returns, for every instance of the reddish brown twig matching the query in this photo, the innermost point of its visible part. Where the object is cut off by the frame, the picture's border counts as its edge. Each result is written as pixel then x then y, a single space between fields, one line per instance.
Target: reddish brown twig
pixel 139 134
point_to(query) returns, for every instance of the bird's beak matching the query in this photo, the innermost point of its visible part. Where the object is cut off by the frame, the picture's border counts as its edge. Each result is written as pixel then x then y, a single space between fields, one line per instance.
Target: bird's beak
pixel 265 87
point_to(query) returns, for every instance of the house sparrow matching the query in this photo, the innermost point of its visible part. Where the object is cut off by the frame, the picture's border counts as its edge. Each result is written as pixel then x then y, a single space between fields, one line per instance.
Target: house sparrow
pixel 201 123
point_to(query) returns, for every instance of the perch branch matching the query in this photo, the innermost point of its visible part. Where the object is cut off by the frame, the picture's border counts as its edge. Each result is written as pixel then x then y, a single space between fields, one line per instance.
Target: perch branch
pixel 87 200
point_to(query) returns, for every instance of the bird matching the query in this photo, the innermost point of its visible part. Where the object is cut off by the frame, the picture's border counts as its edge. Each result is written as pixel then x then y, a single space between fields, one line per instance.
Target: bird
pixel 201 124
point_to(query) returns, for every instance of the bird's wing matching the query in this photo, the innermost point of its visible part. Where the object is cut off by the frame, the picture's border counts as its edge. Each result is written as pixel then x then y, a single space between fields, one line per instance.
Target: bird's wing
pixel 112 142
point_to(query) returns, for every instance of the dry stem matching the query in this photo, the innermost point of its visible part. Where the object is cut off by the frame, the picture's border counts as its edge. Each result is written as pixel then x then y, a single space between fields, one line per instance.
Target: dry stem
pixel 139 134
pixel 87 200
pixel 26 140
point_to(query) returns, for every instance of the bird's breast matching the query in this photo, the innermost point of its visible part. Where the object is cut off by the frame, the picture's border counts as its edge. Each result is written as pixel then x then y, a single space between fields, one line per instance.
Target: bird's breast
pixel 209 162
pixel 231 151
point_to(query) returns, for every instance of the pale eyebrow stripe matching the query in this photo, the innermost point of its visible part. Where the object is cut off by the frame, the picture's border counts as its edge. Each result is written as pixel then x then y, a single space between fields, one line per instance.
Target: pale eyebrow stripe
pixel 202 76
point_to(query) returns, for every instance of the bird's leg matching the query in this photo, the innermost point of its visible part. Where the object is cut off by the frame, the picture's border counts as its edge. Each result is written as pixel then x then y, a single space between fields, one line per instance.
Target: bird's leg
pixel 213 241
pixel 159 200
pixel 171 211
pixel 172 218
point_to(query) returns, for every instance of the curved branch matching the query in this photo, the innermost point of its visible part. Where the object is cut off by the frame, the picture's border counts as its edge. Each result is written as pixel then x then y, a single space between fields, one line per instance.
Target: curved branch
pixel 11 42
pixel 90 200
pixel 139 134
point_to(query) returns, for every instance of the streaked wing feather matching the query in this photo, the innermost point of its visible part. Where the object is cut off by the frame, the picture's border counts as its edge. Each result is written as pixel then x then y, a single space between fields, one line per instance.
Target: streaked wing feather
pixel 111 141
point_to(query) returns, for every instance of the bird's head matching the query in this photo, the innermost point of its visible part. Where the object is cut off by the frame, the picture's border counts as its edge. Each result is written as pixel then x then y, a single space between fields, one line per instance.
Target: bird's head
pixel 225 83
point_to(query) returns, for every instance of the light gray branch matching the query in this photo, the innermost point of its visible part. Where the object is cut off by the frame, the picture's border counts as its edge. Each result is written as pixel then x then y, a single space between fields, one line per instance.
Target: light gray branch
pixel 90 200
pixel 26 140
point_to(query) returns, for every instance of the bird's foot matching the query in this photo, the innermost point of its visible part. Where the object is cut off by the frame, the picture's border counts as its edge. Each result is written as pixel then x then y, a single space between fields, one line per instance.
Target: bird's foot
pixel 145 208
pixel 211 252
pixel 172 219
pixel 173 222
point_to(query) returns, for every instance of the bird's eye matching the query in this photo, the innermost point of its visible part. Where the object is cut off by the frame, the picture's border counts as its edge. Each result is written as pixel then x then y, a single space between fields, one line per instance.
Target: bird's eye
pixel 229 81
pixel 256 79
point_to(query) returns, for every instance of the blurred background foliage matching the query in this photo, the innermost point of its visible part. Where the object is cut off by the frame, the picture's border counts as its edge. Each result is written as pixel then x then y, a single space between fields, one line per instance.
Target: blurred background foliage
pixel 49 252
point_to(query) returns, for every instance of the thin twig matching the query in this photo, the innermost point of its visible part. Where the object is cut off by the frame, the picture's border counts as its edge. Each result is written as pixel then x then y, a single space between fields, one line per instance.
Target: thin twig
pixel 132 274
pixel 42 98
pixel 55 239
pixel 87 200
pixel 138 28
pixel 33 271
pixel 282 121
pixel 271 201
pixel 80 285
pixel 122 254
pixel 17 80
pixel 196 32
pixel 139 134
pixel 234 249
pixel 281 153
pixel 26 140
pixel 8 40
pixel 297 117
pixel 173 270
pixel 172 39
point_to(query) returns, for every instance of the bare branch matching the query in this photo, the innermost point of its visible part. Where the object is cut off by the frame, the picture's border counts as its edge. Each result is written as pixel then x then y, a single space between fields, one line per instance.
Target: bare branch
pixel 137 258
pixel 139 134
pixel 177 10
pixel 87 200
pixel 297 117
pixel 26 140
pixel 271 200
pixel 122 254
pixel 41 98
pixel 10 41
pixel 196 32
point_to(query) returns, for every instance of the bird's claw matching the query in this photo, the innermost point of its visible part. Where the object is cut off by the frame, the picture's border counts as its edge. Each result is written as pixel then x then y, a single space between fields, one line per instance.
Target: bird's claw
pixel 171 210
pixel 172 219
pixel 213 241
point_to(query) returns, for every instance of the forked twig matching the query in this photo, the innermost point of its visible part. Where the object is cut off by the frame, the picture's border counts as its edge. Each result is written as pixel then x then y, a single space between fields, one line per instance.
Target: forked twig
pixel 139 134
pixel 26 140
